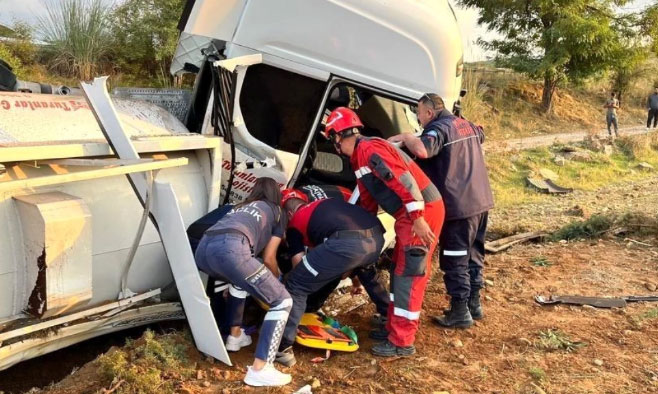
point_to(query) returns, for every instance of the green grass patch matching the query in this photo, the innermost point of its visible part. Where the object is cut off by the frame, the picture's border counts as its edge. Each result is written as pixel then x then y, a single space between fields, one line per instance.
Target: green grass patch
pixel 647 315
pixel 555 340
pixel 540 261
pixel 537 374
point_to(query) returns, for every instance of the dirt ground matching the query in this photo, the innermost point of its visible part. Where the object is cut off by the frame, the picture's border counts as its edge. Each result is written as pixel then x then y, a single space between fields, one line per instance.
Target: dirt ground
pixel 519 347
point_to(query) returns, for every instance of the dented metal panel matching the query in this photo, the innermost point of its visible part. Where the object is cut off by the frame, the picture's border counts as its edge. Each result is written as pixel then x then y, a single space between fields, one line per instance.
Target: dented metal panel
pixel 57 240
pixel 167 218
pixel 29 119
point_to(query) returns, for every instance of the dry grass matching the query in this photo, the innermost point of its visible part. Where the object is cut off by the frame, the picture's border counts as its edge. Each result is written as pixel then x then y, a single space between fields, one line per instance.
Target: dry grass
pixel 508 105
pixel 508 171
pixel 147 364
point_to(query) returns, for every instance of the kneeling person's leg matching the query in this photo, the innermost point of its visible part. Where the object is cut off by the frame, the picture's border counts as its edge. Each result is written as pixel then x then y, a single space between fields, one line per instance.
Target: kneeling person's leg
pixel 264 286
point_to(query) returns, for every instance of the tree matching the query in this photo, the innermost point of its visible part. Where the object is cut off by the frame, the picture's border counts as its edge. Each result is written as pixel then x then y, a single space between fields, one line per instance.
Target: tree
pixel 145 36
pixel 630 58
pixel 554 40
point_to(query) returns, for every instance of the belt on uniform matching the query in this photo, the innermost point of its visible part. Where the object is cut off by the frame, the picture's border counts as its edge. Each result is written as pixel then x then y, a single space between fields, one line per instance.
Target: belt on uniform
pixel 369 233
pixel 231 231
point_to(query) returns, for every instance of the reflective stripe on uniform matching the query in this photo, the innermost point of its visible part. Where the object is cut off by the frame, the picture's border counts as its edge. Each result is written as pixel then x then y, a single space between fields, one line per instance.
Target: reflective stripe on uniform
pixel 237 292
pixel 455 252
pixel 406 314
pixel 415 206
pixel 283 305
pixel 391 297
pixel 362 171
pixel 308 267
pixel 219 289
pixel 276 315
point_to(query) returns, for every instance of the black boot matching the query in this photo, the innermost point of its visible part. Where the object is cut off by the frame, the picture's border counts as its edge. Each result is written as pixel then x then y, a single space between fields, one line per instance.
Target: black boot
pixel 474 305
pixel 457 317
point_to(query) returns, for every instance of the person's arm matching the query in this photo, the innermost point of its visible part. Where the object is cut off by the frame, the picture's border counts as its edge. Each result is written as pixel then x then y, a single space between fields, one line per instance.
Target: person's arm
pixel 396 176
pixel 269 255
pixel 479 131
pixel 413 143
pixel 296 259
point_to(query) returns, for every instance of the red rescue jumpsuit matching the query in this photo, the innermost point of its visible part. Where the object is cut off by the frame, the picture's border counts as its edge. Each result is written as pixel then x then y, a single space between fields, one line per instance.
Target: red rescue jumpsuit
pixel 386 176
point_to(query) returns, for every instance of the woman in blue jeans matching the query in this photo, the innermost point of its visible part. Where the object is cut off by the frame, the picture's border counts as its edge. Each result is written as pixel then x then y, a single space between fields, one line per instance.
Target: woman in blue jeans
pixel 227 251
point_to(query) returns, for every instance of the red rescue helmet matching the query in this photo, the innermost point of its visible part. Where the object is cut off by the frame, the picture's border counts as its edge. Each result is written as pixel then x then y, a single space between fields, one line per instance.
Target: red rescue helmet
pixel 290 193
pixel 340 120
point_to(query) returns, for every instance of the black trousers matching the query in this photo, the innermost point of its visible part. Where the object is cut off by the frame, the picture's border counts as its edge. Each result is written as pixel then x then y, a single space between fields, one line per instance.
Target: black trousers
pixel 323 265
pixel 461 254
pixel 653 114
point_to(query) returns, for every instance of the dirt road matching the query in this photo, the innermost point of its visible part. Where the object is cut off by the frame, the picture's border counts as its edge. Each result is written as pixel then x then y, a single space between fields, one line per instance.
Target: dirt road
pixel 550 139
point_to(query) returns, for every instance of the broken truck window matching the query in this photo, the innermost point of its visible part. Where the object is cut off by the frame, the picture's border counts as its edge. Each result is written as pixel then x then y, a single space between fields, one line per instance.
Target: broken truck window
pixel 279 106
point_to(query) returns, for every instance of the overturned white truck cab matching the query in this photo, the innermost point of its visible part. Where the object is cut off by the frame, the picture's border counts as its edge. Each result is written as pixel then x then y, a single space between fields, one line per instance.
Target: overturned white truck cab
pixel 75 261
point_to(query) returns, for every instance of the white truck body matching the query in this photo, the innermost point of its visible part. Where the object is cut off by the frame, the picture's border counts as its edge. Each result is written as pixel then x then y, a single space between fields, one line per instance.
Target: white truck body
pixel 66 227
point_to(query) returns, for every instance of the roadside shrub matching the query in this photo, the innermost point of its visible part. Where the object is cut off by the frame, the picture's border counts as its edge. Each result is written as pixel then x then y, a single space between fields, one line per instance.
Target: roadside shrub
pixel 592 227
pixel 78 36
pixel 8 56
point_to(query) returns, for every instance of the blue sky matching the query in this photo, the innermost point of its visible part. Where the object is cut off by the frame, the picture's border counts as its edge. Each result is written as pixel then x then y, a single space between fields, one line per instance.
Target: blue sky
pixel 27 10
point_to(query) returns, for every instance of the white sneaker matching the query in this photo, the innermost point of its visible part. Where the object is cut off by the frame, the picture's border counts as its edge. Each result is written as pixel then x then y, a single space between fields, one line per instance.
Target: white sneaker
pixel 233 344
pixel 268 376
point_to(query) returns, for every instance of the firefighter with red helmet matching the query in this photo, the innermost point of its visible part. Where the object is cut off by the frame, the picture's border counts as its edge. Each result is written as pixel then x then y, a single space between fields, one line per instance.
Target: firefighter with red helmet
pixel 387 177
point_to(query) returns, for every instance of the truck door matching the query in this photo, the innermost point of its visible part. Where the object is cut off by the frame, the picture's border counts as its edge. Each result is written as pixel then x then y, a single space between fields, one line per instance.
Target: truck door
pixel 273 112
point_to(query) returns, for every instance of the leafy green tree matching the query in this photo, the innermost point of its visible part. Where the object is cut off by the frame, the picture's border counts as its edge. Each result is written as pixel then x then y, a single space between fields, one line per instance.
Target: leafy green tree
pixel 554 40
pixel 145 36
pixel 630 58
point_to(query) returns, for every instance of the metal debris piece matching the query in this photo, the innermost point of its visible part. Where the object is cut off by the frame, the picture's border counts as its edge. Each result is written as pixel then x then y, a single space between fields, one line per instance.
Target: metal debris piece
pixel 598 302
pixel 504 243
pixel 318 360
pixel 547 186
pixel 548 174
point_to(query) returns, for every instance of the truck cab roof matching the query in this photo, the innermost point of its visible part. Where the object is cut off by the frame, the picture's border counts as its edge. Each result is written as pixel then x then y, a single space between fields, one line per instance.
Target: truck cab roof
pixel 406 47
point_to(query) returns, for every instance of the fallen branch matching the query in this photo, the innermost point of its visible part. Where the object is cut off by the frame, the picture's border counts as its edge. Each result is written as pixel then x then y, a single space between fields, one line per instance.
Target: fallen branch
pixel 504 243
pixel 637 242
pixel 113 388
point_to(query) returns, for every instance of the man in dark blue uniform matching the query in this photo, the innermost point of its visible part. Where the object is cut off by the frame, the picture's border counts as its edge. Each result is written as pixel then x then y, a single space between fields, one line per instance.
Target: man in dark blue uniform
pixel 450 152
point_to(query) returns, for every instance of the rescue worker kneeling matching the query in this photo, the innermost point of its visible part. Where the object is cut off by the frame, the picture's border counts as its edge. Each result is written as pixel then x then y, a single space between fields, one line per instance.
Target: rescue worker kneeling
pixel 364 278
pixel 227 251
pixel 343 237
pixel 387 177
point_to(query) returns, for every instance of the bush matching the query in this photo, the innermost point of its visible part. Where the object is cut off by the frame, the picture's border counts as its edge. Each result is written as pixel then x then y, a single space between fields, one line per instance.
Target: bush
pixel 592 227
pixel 14 62
pixel 78 36
pixel 21 44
